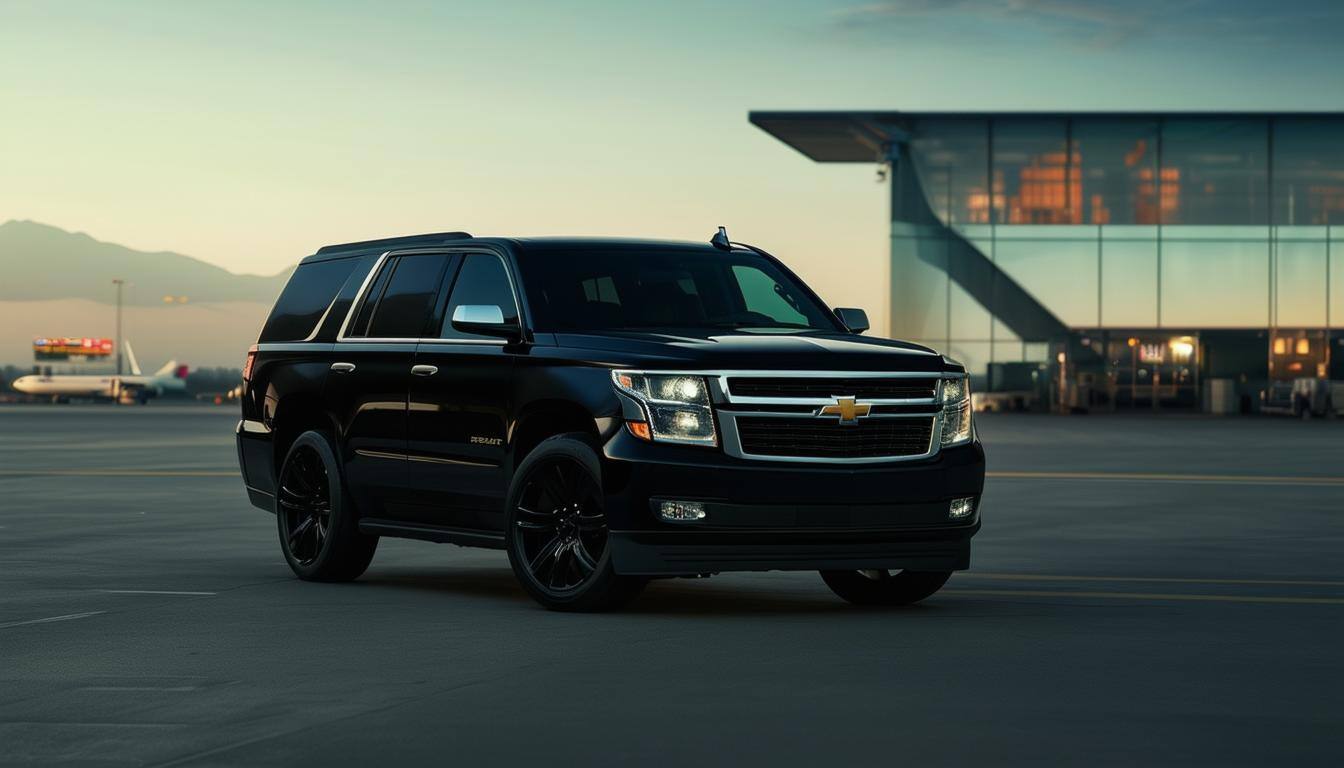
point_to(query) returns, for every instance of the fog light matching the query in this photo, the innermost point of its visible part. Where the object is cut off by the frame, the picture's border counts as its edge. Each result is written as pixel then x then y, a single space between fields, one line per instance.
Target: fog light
pixel 961 508
pixel 681 511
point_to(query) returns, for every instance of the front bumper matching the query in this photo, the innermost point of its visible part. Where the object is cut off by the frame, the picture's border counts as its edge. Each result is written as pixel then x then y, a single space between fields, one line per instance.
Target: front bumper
pixel 784 516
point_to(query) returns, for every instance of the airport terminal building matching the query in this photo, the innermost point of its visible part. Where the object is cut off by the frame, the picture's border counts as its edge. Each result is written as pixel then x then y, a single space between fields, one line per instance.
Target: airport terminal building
pixel 1109 260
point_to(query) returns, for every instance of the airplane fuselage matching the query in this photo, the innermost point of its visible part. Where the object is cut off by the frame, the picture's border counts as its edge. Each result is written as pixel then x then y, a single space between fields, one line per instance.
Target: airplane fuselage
pixel 97 386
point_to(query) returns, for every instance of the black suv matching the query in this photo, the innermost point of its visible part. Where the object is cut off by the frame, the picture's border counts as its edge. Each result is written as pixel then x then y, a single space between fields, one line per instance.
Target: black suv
pixel 606 411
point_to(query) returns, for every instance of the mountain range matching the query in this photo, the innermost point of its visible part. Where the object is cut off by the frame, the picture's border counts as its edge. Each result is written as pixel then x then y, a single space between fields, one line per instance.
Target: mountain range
pixel 39 262
pixel 59 283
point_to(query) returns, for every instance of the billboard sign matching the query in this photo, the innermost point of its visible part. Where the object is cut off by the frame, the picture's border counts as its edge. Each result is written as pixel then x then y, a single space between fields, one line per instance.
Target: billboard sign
pixel 72 348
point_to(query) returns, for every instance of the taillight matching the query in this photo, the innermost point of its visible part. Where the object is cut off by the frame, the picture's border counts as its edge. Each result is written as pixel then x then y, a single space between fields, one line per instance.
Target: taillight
pixel 247 366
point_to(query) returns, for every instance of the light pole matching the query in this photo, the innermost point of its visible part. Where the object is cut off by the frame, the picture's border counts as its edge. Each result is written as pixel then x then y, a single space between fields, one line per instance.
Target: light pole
pixel 119 283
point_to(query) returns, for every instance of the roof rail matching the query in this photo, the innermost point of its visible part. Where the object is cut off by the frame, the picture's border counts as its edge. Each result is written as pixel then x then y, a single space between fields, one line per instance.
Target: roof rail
pixel 433 238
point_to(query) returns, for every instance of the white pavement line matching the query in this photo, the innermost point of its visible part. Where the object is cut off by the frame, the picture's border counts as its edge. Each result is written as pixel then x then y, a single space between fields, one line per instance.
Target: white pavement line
pixel 154 592
pixel 140 688
pixel 94 725
pixel 50 619
pixel 117 473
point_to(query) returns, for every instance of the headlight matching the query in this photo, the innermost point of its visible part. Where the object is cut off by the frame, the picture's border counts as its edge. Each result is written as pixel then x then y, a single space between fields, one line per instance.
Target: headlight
pixel 956 399
pixel 677 406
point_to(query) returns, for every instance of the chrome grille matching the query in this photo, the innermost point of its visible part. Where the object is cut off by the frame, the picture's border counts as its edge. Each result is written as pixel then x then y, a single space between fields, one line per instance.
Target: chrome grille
pixel 896 388
pixel 811 437
pixel 792 415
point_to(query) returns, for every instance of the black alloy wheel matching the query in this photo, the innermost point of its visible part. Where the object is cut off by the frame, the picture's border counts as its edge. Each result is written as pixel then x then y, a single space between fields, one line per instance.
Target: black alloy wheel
pixel 562 529
pixel 317 523
pixel 557 532
pixel 304 504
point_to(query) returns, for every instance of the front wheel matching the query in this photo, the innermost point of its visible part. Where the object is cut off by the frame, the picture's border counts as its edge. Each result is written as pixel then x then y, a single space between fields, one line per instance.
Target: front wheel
pixel 877 587
pixel 557 530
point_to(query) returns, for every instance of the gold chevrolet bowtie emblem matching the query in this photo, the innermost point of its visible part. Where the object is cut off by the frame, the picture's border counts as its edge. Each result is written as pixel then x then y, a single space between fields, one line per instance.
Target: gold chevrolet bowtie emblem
pixel 847 409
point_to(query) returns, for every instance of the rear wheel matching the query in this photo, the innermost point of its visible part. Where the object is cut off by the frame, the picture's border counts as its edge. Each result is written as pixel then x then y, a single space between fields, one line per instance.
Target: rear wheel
pixel 557 530
pixel 319 530
pixel 878 587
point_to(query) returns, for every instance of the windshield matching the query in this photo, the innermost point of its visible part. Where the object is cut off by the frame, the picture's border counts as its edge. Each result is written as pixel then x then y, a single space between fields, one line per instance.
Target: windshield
pixel 611 289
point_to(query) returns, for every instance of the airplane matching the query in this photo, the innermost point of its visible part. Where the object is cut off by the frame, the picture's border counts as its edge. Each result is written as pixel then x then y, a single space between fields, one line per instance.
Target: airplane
pixel 133 388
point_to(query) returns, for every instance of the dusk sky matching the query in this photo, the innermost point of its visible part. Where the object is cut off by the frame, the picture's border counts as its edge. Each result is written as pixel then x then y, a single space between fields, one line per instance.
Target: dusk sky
pixel 248 134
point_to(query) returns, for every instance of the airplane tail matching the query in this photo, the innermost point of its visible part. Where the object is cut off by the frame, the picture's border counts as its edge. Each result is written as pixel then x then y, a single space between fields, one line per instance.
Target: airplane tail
pixel 171 369
pixel 130 355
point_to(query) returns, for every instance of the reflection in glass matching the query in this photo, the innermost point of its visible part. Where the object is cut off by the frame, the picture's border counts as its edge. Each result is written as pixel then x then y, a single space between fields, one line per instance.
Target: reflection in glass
pixel 1034 180
pixel 1118 160
pixel 1214 171
pixel 1300 287
pixel 919 287
pixel 1215 277
pixel 1060 272
pixel 968 319
pixel 1308 171
pixel 951 156
pixel 1129 277
pixel 1336 281
pixel 1069 209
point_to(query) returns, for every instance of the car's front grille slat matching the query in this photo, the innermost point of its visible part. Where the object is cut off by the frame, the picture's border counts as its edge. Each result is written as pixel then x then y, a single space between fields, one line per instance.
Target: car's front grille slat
pixel 828 438
pixel 872 388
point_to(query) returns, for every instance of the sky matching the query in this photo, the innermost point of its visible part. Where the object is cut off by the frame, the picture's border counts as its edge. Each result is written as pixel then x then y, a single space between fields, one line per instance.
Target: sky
pixel 249 133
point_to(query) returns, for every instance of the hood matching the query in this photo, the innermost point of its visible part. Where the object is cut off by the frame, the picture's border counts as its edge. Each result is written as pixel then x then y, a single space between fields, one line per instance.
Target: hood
pixel 750 351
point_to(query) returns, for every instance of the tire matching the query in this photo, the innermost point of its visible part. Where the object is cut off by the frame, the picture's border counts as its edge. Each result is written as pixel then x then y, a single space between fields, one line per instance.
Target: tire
pixel 317 524
pixel 885 587
pixel 556 529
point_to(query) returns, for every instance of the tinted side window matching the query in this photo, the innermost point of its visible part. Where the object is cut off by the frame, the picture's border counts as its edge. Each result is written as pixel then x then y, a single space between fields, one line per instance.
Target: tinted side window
pixel 306 296
pixel 405 306
pixel 481 280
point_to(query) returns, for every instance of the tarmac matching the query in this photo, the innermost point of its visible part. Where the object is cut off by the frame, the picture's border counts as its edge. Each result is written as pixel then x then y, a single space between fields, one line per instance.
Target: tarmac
pixel 1157 590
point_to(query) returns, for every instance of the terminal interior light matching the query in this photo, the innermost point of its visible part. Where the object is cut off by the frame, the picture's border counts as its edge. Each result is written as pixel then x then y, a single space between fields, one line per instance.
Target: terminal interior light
pixel 1182 348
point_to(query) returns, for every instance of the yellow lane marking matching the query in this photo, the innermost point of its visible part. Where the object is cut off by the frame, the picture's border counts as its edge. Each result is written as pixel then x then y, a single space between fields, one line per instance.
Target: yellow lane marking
pixel 1170 478
pixel 1145 596
pixel 1149 579
pixel 116 473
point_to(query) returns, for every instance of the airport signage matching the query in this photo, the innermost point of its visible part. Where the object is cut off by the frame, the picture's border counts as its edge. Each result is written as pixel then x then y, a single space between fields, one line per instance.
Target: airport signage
pixel 71 347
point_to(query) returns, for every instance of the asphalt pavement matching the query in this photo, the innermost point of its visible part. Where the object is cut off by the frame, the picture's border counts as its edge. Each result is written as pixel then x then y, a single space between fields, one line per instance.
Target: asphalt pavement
pixel 1146 590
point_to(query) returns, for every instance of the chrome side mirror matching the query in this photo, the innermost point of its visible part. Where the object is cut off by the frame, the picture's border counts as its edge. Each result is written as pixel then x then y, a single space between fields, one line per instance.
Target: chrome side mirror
pixel 483 320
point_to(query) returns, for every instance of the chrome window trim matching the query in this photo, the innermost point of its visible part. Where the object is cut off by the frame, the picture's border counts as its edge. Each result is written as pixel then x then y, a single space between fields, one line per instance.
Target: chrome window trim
pixel 359 295
pixel 382 259
pixel 363 340
pixel 312 335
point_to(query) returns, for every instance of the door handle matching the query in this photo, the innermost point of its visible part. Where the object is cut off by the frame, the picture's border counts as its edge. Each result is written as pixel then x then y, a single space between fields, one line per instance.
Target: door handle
pixel 424 370
pixel 342 367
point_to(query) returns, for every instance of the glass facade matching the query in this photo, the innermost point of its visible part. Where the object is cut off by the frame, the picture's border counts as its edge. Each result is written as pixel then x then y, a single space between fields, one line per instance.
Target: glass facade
pixel 1028 231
